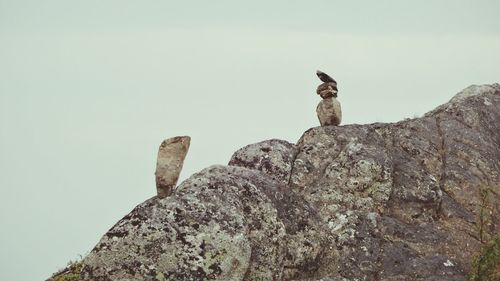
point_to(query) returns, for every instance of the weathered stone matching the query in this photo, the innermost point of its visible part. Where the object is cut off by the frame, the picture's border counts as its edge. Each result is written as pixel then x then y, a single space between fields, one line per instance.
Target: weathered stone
pixel 327 90
pixel 273 157
pixel 324 77
pixel 171 157
pixel 403 200
pixel 224 223
pixel 329 112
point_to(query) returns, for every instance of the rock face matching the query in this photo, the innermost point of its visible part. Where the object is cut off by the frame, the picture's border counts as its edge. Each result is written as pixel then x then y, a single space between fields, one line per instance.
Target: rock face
pixel 273 157
pixel 169 164
pixel 329 112
pixel 401 201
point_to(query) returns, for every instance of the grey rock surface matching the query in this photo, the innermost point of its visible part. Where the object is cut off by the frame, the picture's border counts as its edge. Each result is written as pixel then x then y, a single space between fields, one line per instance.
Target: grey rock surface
pixel 171 155
pixel 402 199
pixel 224 223
pixel 358 202
pixel 273 157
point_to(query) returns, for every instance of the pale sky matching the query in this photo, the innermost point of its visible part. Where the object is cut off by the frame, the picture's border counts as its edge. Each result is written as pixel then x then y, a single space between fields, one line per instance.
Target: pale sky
pixel 89 89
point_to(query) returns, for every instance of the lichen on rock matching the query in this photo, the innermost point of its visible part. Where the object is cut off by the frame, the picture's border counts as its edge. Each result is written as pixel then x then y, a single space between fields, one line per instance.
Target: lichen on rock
pixel 273 157
pixel 223 223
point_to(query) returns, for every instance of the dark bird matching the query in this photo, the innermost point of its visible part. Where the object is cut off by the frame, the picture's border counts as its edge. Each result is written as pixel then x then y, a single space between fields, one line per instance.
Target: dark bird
pixel 324 77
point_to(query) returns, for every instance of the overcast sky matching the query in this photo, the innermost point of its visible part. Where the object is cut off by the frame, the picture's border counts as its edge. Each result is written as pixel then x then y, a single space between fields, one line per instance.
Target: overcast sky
pixel 89 89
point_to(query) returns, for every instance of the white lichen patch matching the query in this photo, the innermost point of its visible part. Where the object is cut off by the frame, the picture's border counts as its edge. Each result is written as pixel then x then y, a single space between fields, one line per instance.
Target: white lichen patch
pixel 448 263
pixel 487 102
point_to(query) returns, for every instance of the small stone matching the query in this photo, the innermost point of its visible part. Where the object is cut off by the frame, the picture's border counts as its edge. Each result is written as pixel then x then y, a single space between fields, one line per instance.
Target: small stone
pixel 171 157
pixel 324 77
pixel 487 101
pixel 327 90
pixel 329 112
pixel 448 263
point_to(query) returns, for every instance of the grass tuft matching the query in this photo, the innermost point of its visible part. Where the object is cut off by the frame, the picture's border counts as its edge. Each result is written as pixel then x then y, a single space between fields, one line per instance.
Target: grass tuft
pixel 486 265
pixel 70 273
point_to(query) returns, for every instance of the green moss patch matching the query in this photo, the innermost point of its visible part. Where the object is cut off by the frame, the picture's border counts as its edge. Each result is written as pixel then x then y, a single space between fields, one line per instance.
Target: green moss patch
pixel 70 273
pixel 486 266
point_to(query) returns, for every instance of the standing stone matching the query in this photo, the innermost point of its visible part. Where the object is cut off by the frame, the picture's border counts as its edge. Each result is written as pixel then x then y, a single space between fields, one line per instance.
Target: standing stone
pixel 171 157
pixel 329 112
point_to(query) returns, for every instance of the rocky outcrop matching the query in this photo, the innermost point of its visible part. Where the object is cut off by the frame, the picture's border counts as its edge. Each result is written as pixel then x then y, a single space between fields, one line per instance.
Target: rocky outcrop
pixel 401 201
pixel 224 223
pixel 171 155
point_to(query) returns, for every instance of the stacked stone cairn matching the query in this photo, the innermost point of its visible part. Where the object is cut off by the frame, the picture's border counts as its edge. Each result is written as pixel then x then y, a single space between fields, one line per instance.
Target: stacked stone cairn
pixel 328 109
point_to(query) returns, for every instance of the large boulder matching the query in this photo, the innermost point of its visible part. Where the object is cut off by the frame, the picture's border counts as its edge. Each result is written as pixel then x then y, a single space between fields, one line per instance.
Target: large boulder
pixel 224 223
pixel 403 201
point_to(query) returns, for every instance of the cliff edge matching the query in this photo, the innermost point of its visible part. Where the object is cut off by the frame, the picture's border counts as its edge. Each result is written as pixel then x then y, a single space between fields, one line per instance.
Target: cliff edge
pixel 412 200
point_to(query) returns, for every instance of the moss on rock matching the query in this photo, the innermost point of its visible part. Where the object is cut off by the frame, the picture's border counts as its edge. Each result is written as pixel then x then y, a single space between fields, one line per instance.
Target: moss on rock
pixel 486 266
pixel 69 273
